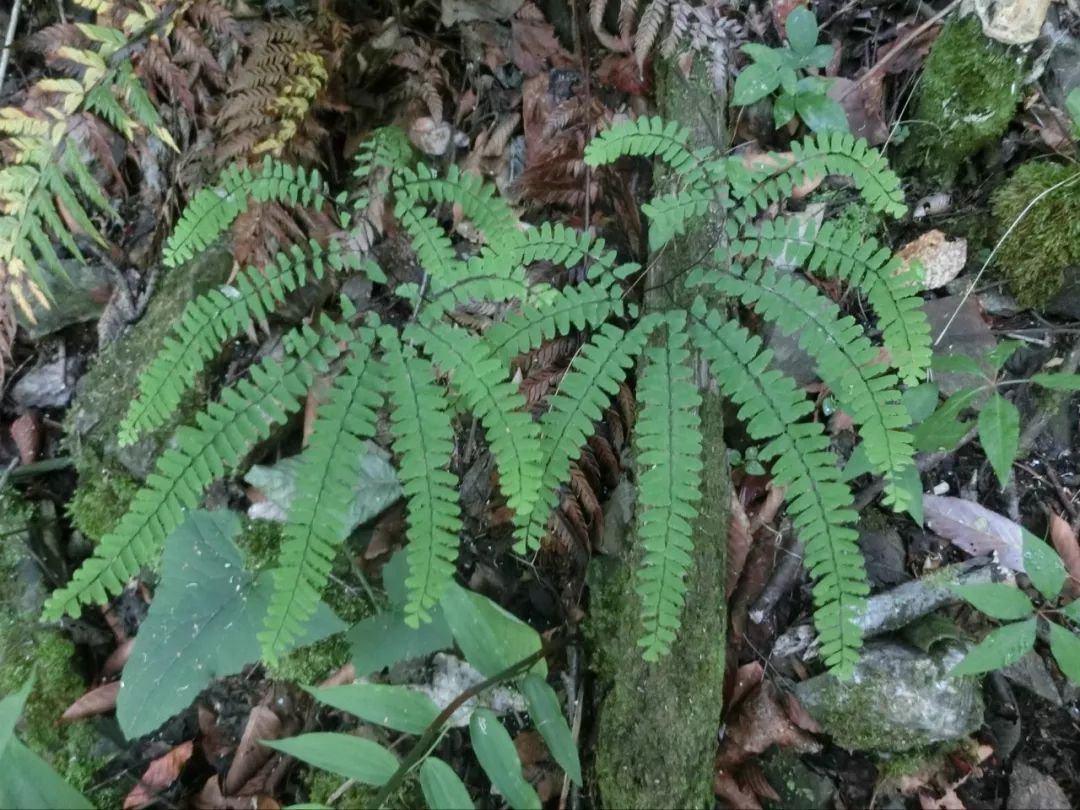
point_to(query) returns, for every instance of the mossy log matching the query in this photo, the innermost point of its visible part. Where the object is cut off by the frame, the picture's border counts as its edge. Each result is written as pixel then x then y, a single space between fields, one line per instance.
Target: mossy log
pixel 657 722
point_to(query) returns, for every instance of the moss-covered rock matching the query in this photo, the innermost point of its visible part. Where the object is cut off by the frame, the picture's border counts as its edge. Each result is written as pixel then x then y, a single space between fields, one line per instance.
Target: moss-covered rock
pixel 1045 242
pixel 27 649
pixel 968 92
pixel 100 500
pixel 105 392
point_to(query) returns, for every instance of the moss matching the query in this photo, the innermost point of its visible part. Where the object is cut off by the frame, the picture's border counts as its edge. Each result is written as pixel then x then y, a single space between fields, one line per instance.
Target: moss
pixel 92 422
pixel 1046 241
pixel 320 786
pixel 260 541
pixel 100 500
pixel 968 92
pixel 28 649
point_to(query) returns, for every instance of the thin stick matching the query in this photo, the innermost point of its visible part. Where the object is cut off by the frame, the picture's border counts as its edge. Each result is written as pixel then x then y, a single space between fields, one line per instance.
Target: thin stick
pixel 432 732
pixel 12 23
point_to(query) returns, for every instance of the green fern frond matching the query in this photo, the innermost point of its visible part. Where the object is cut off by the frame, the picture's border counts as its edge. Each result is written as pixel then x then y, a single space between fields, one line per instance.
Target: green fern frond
pixel 592 379
pixel 667 438
pixel 582 306
pixel 478 200
pixel 845 358
pixel 819 503
pixel 669 213
pixel 226 431
pixel 432 246
pixel 646 137
pixel 212 210
pixel 836 252
pixel 480 377
pixel 216 317
pixel 813 158
pixel 557 244
pixel 424 441
pixel 319 515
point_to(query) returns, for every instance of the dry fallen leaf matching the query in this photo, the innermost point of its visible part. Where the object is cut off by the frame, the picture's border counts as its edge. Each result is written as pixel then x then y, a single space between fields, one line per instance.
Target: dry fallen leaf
pixel 262 724
pixel 758 722
pixel 26 433
pixel 942 260
pixel 430 136
pixel 98 700
pixel 950 801
pixel 975 529
pixel 117 658
pixel 1064 540
pixel 159 774
pixel 738 541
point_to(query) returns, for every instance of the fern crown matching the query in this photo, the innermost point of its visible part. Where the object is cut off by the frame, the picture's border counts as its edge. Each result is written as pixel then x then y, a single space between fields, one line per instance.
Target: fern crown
pixel 429 371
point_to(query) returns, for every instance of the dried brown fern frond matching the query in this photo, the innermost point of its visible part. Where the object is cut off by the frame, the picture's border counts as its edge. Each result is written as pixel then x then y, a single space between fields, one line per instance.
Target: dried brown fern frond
pixel 692 27
pixel 7 327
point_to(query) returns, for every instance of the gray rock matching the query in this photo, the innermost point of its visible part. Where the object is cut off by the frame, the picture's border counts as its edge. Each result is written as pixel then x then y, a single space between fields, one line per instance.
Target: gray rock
pixel 78 298
pixel 897 699
pixel 795 783
pixel 1028 788
pixel 1066 303
pixel 46 386
pixel 103 394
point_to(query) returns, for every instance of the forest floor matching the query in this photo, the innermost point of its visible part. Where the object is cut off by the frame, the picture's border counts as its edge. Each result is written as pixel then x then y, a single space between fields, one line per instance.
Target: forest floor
pixel 513 91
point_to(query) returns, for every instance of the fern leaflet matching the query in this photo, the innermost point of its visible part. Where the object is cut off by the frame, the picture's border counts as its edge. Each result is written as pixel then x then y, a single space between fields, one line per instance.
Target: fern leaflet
pixel 319 515
pixel 226 431
pixel 668 447
pixel 424 440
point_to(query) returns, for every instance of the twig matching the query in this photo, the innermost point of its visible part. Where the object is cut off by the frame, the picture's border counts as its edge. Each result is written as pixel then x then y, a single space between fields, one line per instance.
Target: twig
pixel 8 39
pixel 898 47
pixel 434 729
pixel 784 575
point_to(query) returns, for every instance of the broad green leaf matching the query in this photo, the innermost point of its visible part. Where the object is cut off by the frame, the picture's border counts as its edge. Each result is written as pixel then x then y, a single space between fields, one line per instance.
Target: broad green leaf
pixel 754 83
pixel 996 600
pixel 396 707
pixel 783 110
pixel 384 640
pixel 495 750
pixel 858 464
pixel 1043 566
pixel 956 364
pixel 802 30
pixel 442 788
pixel 942 430
pixel 491 639
pixel 910 480
pixel 202 624
pixel 1066 649
pixel 11 708
pixel 352 757
pixel 29 783
pixel 1072 104
pixel 1057 382
pixel 920 401
pixel 773 58
pixel 1000 648
pixel 1072 610
pixel 821 113
pixel 819 56
pixel 999 434
pixel 548 718
pixel 1000 354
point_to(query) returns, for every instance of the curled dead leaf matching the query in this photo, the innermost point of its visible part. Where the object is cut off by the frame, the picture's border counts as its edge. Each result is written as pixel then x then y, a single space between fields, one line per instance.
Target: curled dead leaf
pixel 98 700
pixel 26 433
pixel 159 774
pixel 262 724
pixel 1064 540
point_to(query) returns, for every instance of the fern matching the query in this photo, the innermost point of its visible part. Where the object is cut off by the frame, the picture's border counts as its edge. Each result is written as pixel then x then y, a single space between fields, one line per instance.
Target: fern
pixel 834 252
pixel 819 503
pixel 226 431
pixel 213 210
pixel 477 199
pixel 319 515
pixel 46 170
pixel 481 380
pixel 424 439
pixel 668 446
pixel 846 362
pixel 592 380
pixel 216 317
